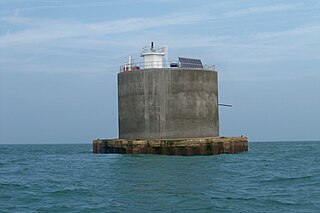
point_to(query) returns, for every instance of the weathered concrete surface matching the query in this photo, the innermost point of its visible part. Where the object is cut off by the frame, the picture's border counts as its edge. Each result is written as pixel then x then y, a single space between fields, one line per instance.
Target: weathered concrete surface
pixel 168 103
pixel 183 146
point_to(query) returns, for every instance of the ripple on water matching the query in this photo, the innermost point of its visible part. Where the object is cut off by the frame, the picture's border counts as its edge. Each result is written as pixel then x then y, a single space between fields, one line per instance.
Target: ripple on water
pixel 271 177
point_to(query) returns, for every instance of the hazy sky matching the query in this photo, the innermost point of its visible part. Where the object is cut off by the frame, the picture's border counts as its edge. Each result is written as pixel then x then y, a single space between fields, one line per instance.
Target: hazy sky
pixel 59 61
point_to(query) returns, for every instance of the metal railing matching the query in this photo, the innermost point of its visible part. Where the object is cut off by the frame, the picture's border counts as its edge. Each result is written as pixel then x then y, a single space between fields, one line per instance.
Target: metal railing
pixel 147 49
pixel 156 65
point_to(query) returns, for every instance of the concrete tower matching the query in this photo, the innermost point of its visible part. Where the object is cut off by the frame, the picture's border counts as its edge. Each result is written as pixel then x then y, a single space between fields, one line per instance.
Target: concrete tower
pixel 157 102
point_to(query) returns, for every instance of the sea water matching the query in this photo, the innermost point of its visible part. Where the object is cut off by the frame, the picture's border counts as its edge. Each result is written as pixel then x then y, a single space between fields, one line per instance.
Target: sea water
pixel 270 177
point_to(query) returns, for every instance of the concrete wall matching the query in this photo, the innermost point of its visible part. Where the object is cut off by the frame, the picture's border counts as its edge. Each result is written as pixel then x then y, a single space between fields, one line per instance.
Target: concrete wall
pixel 185 146
pixel 168 103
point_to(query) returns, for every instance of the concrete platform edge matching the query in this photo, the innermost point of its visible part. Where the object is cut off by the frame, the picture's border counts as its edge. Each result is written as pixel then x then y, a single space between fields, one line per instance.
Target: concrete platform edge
pixel 181 146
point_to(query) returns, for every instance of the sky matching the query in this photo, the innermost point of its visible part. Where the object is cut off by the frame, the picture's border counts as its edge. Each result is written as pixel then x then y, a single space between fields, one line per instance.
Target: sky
pixel 59 62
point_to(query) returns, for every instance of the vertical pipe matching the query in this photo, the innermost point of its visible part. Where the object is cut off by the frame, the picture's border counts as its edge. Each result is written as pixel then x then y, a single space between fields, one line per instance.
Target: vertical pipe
pixel 130 63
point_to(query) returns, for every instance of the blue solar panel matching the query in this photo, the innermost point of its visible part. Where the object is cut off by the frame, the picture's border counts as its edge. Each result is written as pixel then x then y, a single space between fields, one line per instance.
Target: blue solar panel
pixel 190 63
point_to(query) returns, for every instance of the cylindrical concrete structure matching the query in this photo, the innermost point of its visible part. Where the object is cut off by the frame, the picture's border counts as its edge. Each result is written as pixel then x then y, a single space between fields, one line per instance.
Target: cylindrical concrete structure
pixel 168 103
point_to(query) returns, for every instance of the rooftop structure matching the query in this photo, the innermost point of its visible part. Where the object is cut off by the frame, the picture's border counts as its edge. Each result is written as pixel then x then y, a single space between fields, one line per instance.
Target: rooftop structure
pixel 152 58
pixel 158 58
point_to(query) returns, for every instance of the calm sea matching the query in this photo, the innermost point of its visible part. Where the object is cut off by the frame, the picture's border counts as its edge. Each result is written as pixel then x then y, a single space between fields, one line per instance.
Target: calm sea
pixel 271 177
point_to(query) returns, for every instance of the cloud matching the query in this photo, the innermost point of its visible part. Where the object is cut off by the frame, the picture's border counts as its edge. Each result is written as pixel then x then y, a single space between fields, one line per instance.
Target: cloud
pixel 299 31
pixel 261 9
pixel 114 40
pixel 43 30
pixel 27 5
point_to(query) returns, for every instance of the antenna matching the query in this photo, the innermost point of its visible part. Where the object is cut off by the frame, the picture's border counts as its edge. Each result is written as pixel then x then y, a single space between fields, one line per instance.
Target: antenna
pixel 166 56
pixel 225 105
pixel 152 45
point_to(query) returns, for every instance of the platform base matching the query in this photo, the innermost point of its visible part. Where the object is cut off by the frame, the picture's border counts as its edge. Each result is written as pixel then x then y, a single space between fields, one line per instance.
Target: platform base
pixel 183 146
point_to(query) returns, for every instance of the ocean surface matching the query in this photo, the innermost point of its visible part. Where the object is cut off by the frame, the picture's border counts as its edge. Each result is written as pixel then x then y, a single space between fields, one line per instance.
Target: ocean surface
pixel 271 177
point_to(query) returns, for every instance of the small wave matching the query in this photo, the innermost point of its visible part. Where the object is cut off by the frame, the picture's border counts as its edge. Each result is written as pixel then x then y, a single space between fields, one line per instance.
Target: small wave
pixel 281 202
pixel 69 192
pixel 13 186
pixel 235 198
pixel 283 179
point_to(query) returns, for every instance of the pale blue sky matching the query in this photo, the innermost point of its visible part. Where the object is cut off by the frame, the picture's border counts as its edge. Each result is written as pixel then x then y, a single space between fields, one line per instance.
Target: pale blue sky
pixel 59 61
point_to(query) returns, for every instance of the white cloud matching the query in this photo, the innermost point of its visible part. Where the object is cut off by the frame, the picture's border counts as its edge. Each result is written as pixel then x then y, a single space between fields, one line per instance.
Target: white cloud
pixel 261 9
pixel 66 35
pixel 299 31
pixel 41 30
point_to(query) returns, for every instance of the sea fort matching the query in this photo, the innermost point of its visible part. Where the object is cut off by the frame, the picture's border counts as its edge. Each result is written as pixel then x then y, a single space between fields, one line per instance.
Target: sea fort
pixel 168 108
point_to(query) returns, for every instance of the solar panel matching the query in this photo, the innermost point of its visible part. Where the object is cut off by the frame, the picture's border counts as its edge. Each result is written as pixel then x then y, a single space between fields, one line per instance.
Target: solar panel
pixel 190 63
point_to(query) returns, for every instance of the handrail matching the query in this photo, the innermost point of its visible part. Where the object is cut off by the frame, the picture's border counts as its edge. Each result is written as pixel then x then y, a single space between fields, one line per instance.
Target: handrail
pixel 155 64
